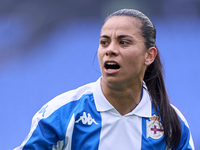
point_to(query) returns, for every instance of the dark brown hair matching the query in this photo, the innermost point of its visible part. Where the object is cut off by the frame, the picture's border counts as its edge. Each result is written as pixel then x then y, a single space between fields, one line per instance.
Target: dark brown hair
pixel 154 80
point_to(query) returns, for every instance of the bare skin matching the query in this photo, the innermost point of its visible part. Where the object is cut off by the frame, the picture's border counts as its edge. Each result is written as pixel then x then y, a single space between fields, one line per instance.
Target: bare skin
pixel 122 45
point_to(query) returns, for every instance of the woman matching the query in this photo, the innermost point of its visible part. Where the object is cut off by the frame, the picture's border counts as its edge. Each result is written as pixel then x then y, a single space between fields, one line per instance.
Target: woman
pixel 127 108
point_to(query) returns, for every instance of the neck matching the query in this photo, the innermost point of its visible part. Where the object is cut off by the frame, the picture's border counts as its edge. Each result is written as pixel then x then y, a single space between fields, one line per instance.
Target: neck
pixel 124 100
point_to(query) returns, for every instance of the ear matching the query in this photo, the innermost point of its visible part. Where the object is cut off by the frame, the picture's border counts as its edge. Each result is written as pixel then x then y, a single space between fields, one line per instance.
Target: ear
pixel 150 55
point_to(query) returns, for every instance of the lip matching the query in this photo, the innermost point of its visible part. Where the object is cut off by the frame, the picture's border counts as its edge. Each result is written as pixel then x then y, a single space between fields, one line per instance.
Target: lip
pixel 111 71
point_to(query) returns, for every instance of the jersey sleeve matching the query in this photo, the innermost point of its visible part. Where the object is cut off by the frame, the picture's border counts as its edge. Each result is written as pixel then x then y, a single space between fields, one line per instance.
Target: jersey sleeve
pixel 52 125
pixel 45 132
pixel 186 142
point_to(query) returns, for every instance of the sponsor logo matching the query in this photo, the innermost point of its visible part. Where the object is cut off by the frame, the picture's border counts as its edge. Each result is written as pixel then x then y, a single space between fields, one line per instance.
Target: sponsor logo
pixel 43 110
pixel 86 119
pixel 154 128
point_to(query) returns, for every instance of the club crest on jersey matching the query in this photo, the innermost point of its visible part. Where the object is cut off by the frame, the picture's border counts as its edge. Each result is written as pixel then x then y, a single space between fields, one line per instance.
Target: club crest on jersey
pixel 154 128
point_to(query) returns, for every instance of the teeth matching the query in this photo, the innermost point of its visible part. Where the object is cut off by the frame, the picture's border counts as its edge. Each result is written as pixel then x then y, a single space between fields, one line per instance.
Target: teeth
pixel 111 63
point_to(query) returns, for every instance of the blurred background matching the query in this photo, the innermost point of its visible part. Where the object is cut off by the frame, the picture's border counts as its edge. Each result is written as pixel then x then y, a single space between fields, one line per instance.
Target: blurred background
pixel 49 47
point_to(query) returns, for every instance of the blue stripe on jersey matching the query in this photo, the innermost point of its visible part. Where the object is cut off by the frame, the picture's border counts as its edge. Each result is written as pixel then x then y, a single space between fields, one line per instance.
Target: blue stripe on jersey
pixel 86 134
pixel 52 129
pixel 185 137
pixel 148 142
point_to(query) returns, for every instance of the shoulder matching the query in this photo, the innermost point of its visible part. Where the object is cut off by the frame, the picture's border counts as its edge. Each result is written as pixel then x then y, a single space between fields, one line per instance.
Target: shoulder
pixel 186 136
pixel 180 115
pixel 64 99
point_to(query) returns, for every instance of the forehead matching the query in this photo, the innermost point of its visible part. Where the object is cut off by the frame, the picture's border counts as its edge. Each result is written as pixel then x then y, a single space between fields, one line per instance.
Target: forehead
pixel 120 24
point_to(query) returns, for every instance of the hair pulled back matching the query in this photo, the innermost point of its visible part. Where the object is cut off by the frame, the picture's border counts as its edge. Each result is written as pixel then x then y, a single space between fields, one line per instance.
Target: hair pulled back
pixel 155 82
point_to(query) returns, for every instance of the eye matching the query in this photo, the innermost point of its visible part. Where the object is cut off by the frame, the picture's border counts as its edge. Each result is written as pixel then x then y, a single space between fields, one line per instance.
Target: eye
pixel 124 43
pixel 104 43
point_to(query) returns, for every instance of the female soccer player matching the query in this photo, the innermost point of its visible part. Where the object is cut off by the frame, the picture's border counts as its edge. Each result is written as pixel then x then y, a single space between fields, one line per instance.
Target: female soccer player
pixel 127 108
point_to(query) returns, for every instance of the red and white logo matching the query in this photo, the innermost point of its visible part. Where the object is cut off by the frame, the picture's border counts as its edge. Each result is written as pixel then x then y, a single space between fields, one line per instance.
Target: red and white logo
pixel 154 128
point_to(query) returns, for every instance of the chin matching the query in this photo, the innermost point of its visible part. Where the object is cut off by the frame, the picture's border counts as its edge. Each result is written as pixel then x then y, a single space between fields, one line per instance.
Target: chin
pixel 112 80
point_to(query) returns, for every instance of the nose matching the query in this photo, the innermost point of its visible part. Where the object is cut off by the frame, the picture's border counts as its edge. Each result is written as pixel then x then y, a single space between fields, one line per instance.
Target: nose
pixel 112 50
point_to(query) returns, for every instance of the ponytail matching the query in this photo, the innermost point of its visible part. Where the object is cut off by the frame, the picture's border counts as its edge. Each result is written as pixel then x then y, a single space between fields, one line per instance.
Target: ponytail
pixel 155 83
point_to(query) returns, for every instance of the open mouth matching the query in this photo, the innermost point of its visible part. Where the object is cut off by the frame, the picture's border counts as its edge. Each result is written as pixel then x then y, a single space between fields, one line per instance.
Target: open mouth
pixel 111 65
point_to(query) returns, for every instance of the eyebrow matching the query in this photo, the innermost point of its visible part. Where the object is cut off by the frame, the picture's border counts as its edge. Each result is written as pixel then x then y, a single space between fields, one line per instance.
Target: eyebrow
pixel 119 37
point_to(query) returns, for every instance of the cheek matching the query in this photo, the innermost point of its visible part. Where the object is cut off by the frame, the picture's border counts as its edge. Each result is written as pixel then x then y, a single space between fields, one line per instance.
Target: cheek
pixel 134 60
pixel 100 56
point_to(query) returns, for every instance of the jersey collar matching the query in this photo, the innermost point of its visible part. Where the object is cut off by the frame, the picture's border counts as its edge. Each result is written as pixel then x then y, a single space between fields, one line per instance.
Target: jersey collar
pixel 143 109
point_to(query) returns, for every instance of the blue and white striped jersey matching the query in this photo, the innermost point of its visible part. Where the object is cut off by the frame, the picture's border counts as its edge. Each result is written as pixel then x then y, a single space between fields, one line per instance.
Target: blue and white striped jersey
pixel 83 119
